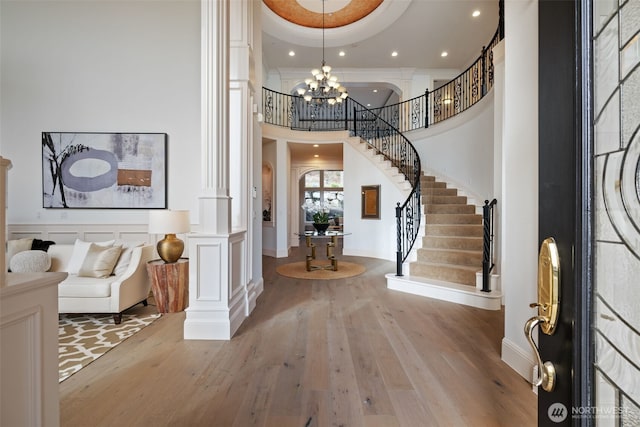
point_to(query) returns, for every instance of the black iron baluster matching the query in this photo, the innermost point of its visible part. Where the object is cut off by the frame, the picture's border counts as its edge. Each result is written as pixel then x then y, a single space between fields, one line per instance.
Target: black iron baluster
pixel 487 243
pixel 399 234
pixel 483 71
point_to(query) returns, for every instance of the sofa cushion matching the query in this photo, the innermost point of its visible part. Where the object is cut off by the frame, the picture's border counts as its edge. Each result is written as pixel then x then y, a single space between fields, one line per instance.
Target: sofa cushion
pixel 30 262
pixel 85 287
pixel 125 256
pixel 99 261
pixel 80 249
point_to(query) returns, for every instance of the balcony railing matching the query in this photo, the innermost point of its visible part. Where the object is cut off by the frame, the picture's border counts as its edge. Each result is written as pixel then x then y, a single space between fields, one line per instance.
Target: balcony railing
pixel 432 107
pixel 448 100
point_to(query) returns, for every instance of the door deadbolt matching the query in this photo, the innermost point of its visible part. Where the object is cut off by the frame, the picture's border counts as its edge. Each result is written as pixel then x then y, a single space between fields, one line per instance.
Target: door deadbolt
pixel 548 306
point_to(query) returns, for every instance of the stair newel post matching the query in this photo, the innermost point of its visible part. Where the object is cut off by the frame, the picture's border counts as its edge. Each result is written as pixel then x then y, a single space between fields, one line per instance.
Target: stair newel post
pixel 426 108
pixel 399 242
pixel 487 243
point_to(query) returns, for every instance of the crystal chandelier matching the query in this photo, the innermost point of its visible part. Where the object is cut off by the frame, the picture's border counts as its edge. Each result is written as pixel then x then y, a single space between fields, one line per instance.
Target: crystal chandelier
pixel 323 86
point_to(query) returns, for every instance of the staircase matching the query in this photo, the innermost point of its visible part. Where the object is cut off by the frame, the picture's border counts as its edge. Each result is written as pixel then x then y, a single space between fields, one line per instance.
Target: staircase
pixel 452 245
pixel 447 262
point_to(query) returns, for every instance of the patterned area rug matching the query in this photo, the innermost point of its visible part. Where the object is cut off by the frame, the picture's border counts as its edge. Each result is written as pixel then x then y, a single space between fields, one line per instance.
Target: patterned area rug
pixel 84 338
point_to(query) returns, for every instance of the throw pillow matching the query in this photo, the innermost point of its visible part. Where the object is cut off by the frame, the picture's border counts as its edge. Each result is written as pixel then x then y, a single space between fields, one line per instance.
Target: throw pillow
pixel 99 261
pixel 41 245
pixel 30 262
pixel 15 246
pixel 125 257
pixel 80 249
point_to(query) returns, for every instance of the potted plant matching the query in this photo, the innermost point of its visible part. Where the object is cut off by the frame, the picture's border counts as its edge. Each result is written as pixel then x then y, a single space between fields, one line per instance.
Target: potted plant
pixel 321 221
pixel 320 215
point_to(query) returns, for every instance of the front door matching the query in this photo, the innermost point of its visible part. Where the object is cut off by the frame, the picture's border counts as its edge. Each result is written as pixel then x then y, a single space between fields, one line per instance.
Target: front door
pixel 589 192
pixel 563 197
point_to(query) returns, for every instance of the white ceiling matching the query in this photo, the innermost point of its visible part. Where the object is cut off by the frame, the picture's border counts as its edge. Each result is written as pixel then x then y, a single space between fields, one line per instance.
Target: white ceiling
pixel 419 30
pixel 419 35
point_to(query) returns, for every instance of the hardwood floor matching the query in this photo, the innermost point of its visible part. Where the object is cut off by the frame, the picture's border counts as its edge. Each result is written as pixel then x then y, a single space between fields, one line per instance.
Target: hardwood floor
pixel 312 354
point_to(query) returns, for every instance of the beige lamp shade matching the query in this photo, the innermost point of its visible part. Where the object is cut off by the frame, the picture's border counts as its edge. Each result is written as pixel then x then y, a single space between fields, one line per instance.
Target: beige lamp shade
pixel 169 223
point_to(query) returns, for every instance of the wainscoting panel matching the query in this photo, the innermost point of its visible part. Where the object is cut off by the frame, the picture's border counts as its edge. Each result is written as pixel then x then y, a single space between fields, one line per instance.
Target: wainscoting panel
pixel 68 233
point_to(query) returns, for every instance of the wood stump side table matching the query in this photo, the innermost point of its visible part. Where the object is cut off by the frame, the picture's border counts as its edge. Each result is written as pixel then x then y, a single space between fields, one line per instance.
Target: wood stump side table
pixel 169 284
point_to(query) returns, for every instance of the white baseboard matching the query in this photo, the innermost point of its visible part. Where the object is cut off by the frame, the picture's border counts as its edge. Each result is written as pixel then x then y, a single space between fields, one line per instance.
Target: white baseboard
pixel 518 359
pixel 270 252
pixel 254 289
pixel 452 292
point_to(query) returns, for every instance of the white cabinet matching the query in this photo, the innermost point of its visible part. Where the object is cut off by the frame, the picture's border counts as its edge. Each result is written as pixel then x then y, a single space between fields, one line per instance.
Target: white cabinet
pixel 29 350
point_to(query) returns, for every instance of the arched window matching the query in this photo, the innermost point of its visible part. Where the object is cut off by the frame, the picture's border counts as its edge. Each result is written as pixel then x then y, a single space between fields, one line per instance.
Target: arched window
pixel 323 190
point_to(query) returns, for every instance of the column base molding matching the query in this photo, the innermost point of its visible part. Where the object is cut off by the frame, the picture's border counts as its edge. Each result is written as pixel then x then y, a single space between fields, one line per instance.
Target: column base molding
pixel 219 296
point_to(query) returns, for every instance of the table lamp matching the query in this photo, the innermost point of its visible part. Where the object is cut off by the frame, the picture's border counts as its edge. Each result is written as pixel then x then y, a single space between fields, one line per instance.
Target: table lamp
pixel 169 223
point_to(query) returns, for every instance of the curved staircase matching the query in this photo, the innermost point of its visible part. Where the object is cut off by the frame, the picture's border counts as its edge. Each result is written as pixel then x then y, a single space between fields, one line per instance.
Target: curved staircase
pixel 452 245
pixel 449 261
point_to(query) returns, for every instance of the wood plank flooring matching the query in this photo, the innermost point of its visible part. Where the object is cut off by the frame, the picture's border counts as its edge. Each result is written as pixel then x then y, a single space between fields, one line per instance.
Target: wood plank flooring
pixel 313 354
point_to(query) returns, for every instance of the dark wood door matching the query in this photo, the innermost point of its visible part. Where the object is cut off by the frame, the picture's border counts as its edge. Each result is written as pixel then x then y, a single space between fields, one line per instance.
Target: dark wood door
pixel 564 194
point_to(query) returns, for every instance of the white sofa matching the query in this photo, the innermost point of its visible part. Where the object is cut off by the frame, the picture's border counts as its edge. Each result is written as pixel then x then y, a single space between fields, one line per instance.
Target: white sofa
pixel 129 285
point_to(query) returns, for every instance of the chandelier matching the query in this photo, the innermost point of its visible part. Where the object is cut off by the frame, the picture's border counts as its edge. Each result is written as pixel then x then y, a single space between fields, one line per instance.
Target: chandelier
pixel 323 86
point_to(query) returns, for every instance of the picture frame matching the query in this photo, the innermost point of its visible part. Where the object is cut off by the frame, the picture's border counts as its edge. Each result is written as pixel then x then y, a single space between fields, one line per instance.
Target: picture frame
pixel 370 201
pixel 94 170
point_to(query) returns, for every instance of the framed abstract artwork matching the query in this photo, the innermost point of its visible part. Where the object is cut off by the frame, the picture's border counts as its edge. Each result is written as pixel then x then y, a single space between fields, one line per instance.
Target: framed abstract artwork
pixel 104 170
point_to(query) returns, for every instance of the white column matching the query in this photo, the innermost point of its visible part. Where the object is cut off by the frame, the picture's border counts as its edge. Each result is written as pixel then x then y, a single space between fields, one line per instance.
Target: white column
pixel 222 291
pixel 215 203
pixel 244 187
pixel 214 312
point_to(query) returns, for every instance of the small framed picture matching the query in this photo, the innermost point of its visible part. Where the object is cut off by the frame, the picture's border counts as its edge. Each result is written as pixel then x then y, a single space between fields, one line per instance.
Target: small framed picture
pixel 370 201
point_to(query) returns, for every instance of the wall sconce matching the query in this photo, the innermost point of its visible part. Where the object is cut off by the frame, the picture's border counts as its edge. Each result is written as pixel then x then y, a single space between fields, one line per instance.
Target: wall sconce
pixel 169 223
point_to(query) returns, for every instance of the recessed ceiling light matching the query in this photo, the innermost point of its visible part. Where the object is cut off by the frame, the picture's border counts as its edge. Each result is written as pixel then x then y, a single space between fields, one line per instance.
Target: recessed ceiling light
pixel 445 53
pixel 292 53
pixel 394 53
pixel 375 91
pixel 316 145
pixel 316 155
pixel 341 53
pixel 475 13
pixel 368 105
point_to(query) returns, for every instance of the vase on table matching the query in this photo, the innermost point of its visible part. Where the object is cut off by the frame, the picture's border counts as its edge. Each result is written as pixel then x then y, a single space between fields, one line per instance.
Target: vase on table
pixel 321 228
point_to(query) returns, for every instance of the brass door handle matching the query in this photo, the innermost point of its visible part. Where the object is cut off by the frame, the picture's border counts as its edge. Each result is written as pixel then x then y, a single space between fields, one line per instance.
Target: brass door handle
pixel 546 371
pixel 548 309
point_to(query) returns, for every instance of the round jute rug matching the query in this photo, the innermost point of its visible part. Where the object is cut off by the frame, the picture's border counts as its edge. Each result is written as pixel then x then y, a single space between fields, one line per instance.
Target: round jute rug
pixel 298 270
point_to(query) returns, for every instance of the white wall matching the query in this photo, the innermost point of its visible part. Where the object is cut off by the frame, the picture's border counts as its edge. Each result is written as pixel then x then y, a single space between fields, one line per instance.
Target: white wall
pixel 519 211
pixel 269 244
pixel 103 66
pixel 369 237
pixel 460 150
